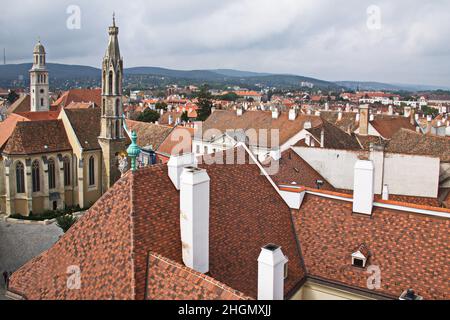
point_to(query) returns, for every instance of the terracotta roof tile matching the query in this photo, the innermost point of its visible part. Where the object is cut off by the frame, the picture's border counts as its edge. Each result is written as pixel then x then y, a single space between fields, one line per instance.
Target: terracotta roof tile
pixel 33 137
pixel 411 142
pixel 149 134
pixel 411 250
pixel 87 125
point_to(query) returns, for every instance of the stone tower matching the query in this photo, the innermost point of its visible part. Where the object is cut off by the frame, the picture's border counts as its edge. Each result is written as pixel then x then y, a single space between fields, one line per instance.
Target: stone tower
pixel 39 80
pixel 112 139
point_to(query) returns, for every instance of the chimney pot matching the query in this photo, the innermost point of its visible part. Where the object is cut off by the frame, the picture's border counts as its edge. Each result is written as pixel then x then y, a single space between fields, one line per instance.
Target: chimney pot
pixel 271 263
pixel 385 192
pixel 194 218
pixel 176 165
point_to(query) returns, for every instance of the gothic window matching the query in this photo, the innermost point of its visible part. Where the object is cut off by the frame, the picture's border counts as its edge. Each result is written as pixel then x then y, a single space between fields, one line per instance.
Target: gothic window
pixel 110 83
pixel 91 171
pixel 42 102
pixel 40 59
pixel 51 174
pixel 66 166
pixel 117 107
pixel 35 59
pixel 118 83
pixel 117 129
pixel 20 178
pixel 76 170
pixel 35 176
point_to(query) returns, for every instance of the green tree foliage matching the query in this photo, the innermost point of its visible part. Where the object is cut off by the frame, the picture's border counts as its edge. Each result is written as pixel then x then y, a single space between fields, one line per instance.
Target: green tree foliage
pixel 204 103
pixel 231 96
pixel 148 116
pixel 184 117
pixel 65 222
pixel 12 97
pixel 428 111
pixel 161 105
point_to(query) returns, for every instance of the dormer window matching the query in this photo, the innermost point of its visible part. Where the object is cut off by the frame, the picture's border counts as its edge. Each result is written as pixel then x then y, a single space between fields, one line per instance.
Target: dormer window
pixel 410 295
pixel 360 257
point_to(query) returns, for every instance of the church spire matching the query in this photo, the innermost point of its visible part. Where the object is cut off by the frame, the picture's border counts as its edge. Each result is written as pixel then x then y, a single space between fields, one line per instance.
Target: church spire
pixel 113 51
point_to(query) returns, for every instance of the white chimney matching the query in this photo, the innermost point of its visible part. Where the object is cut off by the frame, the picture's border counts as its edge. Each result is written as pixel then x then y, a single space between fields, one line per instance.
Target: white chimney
pixel 322 139
pixel 391 110
pixel 293 114
pixel 385 192
pixel 327 106
pixel 307 125
pixel 372 117
pixel 363 187
pixel 239 112
pixel 271 264
pixel 275 113
pixel 339 115
pixel 176 165
pixel 308 140
pixel 170 120
pixel 194 218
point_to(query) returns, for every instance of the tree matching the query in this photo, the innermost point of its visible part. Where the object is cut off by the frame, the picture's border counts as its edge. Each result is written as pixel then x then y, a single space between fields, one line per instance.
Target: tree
pixel 65 222
pixel 204 103
pixel 184 117
pixel 148 116
pixel 428 111
pixel 161 105
pixel 12 96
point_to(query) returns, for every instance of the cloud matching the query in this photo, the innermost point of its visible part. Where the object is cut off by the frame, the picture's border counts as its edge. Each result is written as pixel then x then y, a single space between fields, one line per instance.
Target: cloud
pixel 328 39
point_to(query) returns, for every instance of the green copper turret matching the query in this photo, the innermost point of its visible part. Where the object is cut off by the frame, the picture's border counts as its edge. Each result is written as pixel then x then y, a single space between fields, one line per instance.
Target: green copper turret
pixel 133 150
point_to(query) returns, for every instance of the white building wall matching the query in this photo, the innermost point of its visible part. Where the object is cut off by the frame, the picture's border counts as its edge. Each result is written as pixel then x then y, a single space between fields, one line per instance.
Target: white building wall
pixel 412 175
pixel 405 174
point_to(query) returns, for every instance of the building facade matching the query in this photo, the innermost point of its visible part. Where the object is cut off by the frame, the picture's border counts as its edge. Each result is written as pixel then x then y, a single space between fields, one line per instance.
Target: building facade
pixel 54 160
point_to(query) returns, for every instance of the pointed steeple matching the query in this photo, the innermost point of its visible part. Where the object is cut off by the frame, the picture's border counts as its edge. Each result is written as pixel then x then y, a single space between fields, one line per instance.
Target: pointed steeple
pixel 113 51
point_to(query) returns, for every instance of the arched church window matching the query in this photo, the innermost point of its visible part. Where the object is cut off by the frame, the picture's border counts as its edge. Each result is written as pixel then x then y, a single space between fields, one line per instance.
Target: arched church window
pixel 117 129
pixel 118 83
pixel 91 171
pixel 118 108
pixel 20 178
pixel 35 176
pixel 110 83
pixel 66 167
pixel 51 174
pixel 42 102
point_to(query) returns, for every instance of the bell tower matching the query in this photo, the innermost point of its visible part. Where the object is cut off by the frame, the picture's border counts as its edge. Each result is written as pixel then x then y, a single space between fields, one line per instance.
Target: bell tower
pixel 39 85
pixel 112 139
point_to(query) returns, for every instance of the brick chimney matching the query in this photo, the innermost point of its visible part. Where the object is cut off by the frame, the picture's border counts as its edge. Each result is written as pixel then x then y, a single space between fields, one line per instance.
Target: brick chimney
pixel 364 120
pixel 271 263
pixel 194 218
pixel 363 190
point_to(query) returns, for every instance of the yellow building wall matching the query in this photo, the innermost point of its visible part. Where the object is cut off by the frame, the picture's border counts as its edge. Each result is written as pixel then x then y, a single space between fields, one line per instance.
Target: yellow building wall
pixel 38 205
pixel 20 206
pixel 92 193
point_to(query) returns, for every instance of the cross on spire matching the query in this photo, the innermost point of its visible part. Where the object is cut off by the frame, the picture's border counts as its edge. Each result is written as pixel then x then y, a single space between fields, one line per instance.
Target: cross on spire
pixel 114 19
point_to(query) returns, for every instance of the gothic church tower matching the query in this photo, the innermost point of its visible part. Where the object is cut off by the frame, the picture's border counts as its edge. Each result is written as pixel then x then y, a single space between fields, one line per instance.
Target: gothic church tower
pixel 39 81
pixel 112 139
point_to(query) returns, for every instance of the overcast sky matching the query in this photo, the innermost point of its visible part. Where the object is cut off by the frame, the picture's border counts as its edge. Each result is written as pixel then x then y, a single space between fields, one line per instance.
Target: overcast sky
pixel 399 41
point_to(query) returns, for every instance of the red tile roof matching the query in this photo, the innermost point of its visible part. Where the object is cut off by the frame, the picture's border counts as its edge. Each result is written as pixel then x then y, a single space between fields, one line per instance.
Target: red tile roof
pixel 411 250
pixel 140 214
pixel 179 141
pixel 7 127
pixel 79 95
pixel 389 126
pixel 34 137
pixel 168 280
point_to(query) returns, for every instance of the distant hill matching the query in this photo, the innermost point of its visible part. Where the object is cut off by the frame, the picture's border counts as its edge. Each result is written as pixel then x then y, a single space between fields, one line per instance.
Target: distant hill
pixel 63 76
pixel 378 86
